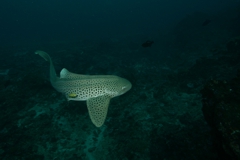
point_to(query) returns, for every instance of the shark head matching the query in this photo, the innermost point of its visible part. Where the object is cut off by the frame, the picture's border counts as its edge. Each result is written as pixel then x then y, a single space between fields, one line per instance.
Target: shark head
pixel 97 90
pixel 121 86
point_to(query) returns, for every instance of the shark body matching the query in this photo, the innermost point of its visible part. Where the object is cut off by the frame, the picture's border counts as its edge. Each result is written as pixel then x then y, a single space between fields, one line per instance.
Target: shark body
pixel 97 90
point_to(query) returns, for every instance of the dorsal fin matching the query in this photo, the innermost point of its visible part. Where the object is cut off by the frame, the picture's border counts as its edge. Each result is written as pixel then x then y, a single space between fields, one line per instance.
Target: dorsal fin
pixel 69 75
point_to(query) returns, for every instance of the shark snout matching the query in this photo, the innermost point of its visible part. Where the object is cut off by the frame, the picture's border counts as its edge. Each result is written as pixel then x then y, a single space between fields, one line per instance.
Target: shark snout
pixel 126 86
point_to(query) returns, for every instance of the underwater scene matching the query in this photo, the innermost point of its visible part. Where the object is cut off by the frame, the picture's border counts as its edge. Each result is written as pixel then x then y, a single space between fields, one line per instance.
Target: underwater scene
pixel 120 80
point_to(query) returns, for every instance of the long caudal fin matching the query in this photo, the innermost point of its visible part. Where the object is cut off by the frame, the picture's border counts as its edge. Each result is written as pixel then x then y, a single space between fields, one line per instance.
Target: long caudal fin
pixel 53 75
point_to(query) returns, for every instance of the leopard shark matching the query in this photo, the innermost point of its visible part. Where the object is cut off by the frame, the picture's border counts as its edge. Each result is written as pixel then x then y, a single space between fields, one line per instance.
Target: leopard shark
pixel 97 90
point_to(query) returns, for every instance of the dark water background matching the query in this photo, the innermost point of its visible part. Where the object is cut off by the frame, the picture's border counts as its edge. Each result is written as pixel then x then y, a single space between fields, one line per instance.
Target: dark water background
pixel 53 20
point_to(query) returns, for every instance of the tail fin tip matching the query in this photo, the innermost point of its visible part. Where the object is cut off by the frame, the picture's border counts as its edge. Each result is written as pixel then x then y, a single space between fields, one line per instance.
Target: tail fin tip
pixel 43 54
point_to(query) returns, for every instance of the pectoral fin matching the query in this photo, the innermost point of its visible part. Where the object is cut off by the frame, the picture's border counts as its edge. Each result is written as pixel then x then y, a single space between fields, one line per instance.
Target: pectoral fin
pixel 98 108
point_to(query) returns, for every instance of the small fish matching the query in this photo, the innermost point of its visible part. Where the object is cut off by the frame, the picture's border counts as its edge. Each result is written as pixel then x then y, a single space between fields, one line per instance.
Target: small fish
pixel 147 44
pixel 206 22
pixel 7 83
